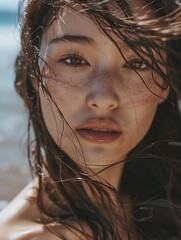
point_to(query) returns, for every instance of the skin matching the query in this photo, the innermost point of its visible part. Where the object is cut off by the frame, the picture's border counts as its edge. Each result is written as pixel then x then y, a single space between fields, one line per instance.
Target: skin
pixel 102 87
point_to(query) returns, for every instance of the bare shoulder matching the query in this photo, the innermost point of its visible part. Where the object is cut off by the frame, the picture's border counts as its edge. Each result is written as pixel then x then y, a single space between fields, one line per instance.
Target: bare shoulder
pixel 20 219
pixel 20 206
pixel 17 219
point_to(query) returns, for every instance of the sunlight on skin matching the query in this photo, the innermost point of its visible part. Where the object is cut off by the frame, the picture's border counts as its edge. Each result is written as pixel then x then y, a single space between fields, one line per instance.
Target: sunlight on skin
pixel 101 88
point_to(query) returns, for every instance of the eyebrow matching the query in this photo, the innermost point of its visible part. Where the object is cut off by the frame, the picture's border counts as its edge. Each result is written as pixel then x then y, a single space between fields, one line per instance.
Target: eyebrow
pixel 74 39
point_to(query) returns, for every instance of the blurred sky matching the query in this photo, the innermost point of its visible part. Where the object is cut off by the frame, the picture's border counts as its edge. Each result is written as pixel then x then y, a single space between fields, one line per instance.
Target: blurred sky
pixel 10 5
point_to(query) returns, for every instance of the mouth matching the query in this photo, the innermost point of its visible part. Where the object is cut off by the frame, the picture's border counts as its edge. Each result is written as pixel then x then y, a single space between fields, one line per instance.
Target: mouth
pixel 99 131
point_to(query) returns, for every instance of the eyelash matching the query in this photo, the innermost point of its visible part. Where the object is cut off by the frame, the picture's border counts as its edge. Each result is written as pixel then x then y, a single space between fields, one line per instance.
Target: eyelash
pixel 143 66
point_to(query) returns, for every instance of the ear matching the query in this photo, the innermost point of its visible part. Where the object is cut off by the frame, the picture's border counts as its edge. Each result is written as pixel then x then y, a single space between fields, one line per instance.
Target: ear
pixel 164 95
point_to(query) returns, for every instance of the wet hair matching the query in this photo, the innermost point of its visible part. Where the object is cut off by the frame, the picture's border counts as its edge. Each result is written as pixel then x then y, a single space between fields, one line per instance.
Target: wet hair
pixel 152 169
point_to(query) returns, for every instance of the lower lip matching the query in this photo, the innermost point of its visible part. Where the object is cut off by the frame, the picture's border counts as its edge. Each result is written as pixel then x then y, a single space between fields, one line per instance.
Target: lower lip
pixel 99 137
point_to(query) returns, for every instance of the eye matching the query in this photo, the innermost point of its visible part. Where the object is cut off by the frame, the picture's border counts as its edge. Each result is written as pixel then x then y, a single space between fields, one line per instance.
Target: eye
pixel 74 61
pixel 137 64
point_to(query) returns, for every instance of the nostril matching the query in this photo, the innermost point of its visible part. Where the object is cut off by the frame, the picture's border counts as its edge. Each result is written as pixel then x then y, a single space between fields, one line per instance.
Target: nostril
pixel 111 106
pixel 102 105
pixel 103 102
pixel 94 105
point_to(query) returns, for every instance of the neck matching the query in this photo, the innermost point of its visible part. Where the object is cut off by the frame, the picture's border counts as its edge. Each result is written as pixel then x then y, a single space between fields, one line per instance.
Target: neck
pixel 112 174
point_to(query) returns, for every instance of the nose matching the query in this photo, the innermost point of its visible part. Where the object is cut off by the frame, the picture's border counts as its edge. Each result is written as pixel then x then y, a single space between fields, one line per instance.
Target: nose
pixel 103 97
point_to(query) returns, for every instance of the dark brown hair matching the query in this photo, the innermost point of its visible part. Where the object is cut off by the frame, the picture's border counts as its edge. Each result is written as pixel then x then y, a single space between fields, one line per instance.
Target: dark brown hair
pixel 152 170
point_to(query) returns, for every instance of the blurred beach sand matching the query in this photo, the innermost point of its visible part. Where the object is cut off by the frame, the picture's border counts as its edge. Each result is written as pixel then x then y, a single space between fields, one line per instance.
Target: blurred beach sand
pixel 14 170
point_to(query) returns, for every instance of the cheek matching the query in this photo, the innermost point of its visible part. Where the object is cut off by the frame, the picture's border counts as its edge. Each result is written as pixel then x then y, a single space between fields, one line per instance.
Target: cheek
pixel 142 89
pixel 64 93
pixel 139 122
pixel 144 114
pixel 65 98
pixel 144 106
pixel 56 123
pixel 52 118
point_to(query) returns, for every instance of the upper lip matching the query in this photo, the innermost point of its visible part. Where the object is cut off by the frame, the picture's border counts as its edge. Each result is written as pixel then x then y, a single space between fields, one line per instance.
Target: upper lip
pixel 102 124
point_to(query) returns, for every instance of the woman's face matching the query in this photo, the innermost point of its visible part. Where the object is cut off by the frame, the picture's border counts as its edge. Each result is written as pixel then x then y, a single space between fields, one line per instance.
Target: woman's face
pixel 103 100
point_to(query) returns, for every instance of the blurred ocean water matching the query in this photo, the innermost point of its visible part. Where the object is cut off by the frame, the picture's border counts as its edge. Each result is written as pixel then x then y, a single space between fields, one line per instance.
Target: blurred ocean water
pixel 14 173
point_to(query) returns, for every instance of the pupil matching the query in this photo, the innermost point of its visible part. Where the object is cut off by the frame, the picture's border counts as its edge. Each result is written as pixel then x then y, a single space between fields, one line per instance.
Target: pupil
pixel 76 61
pixel 137 65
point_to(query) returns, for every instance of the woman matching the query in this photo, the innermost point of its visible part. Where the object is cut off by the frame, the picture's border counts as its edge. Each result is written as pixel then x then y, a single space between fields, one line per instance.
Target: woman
pixel 101 82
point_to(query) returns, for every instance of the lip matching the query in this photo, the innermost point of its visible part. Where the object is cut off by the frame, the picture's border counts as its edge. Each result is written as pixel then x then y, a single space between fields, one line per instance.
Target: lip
pixel 101 131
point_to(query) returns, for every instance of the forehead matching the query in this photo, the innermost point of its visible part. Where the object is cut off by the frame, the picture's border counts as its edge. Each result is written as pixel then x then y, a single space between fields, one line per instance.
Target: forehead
pixel 73 18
